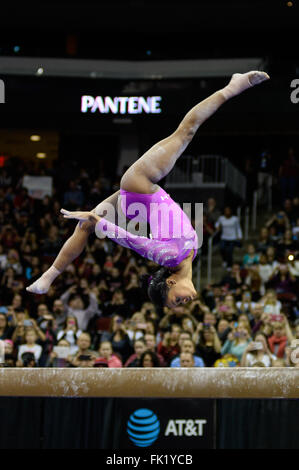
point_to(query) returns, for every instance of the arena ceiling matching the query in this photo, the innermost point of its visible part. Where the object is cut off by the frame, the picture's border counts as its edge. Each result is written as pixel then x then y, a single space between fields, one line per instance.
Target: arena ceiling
pixel 159 29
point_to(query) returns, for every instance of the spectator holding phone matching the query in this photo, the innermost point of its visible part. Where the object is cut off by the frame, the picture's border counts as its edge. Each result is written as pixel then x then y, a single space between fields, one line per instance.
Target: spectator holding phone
pixel 70 333
pixel 84 357
pixel 75 306
pixel 237 341
pixel 246 305
pixel 136 326
pixel 106 353
pixel 257 351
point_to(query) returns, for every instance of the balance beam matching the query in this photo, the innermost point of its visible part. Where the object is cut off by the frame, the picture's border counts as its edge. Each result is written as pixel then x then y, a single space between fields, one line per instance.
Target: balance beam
pixel 153 382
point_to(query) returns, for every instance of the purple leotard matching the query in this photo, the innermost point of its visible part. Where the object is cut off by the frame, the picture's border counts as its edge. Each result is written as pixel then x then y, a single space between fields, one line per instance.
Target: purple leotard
pixel 172 239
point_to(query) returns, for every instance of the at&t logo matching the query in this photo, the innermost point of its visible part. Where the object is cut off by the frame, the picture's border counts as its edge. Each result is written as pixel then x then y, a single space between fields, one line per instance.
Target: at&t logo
pixel 143 427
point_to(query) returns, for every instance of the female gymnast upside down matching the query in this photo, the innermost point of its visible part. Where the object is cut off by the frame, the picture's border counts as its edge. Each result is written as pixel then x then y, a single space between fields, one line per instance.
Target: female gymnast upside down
pixel 172 284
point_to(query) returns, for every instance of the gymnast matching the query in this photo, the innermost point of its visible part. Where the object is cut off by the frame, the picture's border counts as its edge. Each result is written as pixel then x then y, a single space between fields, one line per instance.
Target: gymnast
pixel 171 284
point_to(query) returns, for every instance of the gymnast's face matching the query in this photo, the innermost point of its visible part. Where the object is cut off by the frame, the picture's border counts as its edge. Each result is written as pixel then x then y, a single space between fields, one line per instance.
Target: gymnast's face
pixel 180 292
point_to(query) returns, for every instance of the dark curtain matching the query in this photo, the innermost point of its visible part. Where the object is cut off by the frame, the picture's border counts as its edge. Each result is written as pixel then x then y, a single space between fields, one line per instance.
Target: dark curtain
pixel 258 424
pixel 20 423
pixel 78 423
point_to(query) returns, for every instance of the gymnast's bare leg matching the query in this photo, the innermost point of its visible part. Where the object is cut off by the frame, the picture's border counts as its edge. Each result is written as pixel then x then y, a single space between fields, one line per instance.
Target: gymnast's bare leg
pixel 156 163
pixel 72 248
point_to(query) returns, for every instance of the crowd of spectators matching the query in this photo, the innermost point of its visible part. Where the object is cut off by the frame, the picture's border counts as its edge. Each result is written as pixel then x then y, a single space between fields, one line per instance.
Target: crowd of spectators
pixel 97 315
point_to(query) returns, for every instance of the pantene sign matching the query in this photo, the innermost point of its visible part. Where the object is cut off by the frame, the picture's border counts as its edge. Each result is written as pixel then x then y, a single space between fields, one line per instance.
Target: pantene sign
pixel 121 104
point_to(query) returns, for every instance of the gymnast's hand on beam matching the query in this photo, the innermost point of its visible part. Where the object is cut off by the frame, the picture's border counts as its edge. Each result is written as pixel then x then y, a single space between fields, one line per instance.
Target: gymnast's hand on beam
pixel 82 216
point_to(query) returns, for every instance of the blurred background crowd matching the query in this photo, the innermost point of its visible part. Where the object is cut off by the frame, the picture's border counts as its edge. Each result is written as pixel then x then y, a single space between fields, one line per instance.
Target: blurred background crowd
pixel 97 315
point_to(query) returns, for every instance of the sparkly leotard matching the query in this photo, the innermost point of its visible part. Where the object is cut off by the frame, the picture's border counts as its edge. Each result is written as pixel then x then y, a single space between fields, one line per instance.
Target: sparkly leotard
pixel 172 240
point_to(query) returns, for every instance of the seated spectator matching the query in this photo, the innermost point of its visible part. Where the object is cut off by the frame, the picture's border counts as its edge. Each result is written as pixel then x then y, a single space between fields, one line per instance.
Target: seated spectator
pixel 265 271
pixel 278 340
pixel 187 359
pixel 233 280
pixel 84 357
pixel 208 345
pixel 149 359
pixel 151 345
pixel 70 333
pixel 257 352
pixel 73 198
pixel 6 331
pixel 287 243
pixel 189 323
pixel 283 282
pixel 246 305
pixel 254 282
pixel 169 346
pixel 237 341
pixel 295 230
pixel 227 309
pixel 9 356
pixel 263 241
pixel 106 353
pixel 54 360
pixel 136 326
pixel 117 305
pixel 187 346
pixel 280 222
pixel 59 313
pixel 223 329
pixel 75 306
pixel 139 348
pixel 119 338
pixel 27 360
pixel 30 345
pixel 251 257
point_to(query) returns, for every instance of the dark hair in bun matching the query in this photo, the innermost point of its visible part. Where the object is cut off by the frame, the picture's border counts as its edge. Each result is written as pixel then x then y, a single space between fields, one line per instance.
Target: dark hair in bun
pixel 156 286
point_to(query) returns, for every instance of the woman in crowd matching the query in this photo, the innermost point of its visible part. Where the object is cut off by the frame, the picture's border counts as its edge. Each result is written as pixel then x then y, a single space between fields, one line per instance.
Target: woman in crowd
pixel 237 341
pixel 30 345
pixel 70 332
pixel 257 351
pixel 106 352
pixel 149 359
pixel 208 345
pixel 119 338
pixel 139 349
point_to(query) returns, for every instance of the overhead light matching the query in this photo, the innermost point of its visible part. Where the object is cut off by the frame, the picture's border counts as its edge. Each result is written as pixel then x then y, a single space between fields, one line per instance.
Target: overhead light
pixel 40 71
pixel 289 4
pixel 35 138
pixel 41 155
pixel 16 49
